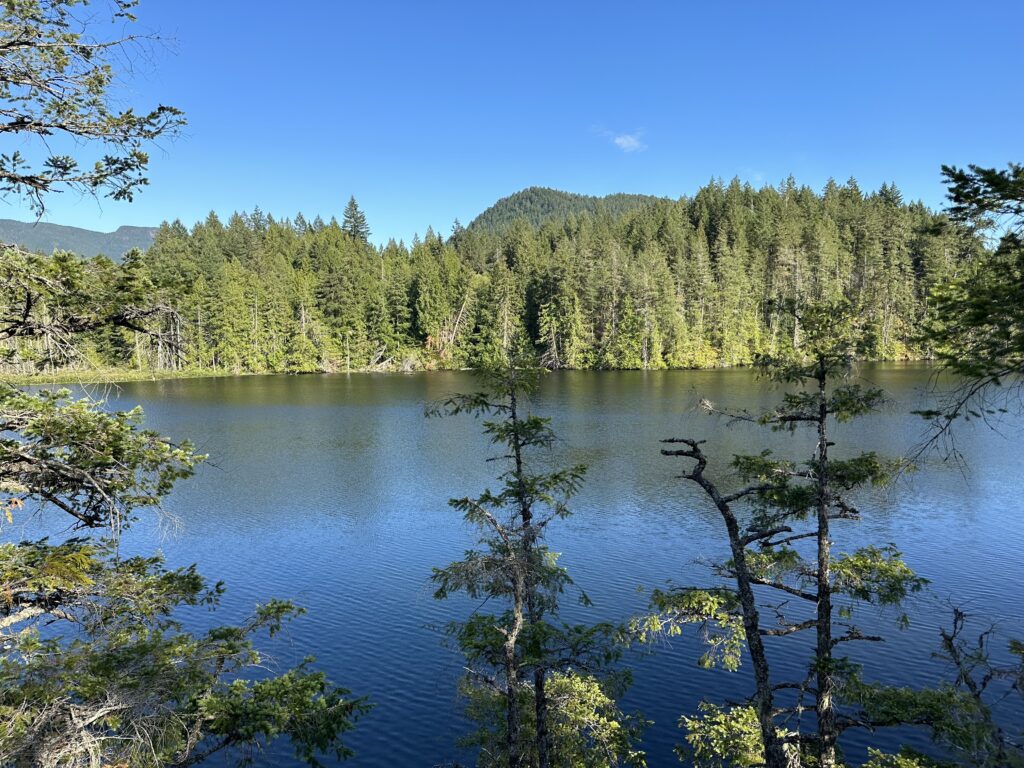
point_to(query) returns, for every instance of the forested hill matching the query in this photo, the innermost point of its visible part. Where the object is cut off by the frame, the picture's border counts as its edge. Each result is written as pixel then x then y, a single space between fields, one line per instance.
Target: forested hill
pixel 539 205
pixel 46 238
pixel 696 282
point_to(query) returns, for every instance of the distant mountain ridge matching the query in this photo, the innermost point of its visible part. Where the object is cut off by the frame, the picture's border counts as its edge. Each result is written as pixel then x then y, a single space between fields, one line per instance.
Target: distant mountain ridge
pixel 46 238
pixel 539 205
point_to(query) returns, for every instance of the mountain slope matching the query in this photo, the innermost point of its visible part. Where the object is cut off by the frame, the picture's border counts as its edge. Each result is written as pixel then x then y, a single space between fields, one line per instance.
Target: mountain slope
pixel 539 204
pixel 46 238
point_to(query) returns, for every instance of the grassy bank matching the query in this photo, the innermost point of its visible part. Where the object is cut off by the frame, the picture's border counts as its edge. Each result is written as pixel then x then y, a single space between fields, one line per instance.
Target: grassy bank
pixel 108 376
pixel 94 376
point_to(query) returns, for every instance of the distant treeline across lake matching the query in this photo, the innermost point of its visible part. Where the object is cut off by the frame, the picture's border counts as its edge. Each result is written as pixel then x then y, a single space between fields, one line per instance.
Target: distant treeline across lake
pixel 706 281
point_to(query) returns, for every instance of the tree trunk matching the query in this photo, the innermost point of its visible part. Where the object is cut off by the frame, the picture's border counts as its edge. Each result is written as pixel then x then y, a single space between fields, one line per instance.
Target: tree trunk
pixel 513 738
pixel 824 704
pixel 775 756
pixel 774 750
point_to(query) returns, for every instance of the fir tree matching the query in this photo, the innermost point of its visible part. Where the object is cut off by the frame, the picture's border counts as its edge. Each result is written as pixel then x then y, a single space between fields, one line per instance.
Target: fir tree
pixel 354 222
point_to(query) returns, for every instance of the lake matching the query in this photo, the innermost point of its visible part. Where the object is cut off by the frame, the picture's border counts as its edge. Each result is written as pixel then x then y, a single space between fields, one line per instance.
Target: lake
pixel 331 490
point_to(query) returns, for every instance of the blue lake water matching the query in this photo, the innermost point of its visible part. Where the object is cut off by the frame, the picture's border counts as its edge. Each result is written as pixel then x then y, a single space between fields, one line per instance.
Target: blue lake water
pixel 331 491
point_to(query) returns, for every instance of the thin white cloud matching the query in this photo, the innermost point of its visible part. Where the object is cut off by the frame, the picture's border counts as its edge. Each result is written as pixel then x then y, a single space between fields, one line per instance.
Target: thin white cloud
pixel 752 174
pixel 629 142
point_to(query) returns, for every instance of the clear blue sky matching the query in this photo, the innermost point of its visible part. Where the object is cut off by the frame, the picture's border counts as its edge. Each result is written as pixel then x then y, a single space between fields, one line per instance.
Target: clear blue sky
pixel 430 111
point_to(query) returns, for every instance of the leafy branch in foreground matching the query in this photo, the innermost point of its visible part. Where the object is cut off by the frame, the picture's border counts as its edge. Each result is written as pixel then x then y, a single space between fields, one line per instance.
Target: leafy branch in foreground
pixel 57 78
pixel 96 667
pixel 976 325
pixel 95 664
pixel 96 466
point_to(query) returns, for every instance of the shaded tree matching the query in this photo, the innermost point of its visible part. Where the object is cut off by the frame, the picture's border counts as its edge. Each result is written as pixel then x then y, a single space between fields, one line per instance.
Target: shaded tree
pixel 95 666
pixel 976 329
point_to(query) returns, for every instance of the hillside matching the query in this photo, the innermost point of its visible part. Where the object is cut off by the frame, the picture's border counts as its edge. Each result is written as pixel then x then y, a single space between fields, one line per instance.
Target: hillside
pixel 46 238
pixel 539 205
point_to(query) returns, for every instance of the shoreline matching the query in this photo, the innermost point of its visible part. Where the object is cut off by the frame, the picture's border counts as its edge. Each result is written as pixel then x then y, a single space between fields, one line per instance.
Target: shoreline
pixel 113 376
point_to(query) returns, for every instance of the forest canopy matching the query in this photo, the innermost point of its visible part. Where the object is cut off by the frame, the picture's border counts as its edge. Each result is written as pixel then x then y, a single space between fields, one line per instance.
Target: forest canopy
pixel 709 280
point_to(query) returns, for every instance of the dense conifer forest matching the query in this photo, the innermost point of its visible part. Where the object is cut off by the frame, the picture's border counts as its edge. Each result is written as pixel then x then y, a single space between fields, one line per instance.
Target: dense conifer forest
pixel 633 283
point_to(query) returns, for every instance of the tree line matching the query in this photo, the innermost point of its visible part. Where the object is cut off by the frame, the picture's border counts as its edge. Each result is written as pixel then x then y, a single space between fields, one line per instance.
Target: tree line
pixel 700 282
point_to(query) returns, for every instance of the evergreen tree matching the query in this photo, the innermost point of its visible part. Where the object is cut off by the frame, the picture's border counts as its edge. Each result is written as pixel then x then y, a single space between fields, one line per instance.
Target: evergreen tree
pixel 57 78
pixel 354 222
pixel 515 657
pixel 977 329
pixel 95 667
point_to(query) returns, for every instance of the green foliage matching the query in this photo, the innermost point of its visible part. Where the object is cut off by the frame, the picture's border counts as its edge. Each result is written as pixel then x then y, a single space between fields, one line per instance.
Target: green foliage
pixel 96 667
pixel 300 705
pixel 776 562
pixel 95 663
pixel 878 759
pixel 780 533
pixel 976 325
pixel 96 466
pixel 715 613
pixel 124 684
pixel 955 718
pixel 976 328
pixel 588 730
pixel 58 78
pixel 875 575
pixel 354 222
pixel 866 469
pixel 539 205
pixel 524 654
pixel 723 738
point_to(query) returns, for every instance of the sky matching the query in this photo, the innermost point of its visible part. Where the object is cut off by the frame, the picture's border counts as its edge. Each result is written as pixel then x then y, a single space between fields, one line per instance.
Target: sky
pixel 428 112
